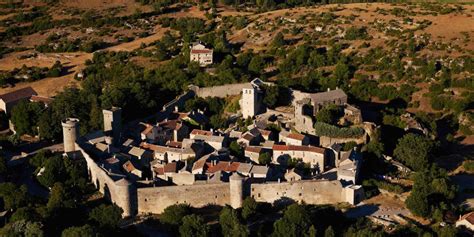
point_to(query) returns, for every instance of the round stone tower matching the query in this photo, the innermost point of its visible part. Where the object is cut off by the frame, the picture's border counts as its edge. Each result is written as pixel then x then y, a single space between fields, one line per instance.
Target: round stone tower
pixel 70 133
pixel 123 197
pixel 236 184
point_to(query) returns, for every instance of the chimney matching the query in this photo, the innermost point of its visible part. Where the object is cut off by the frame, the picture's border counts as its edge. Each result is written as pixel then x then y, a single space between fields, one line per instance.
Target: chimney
pixel 279 180
pixel 176 109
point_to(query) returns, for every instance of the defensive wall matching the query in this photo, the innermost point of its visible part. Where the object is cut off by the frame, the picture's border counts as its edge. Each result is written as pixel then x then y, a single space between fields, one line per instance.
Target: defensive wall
pixel 219 91
pixel 119 190
pixel 156 199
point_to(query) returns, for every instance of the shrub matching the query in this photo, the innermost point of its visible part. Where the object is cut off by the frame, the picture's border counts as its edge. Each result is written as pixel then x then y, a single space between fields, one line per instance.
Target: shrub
pixel 328 130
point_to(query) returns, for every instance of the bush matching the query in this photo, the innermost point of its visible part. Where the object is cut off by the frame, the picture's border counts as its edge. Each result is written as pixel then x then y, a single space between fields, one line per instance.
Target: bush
pixel 469 166
pixel 328 130
pixel 173 215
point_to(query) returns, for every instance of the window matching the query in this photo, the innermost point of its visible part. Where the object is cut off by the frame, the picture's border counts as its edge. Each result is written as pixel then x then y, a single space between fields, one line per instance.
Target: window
pixel 258 195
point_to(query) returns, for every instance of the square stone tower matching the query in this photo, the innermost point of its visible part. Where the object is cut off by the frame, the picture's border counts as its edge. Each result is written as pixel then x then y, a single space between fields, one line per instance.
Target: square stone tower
pixel 113 123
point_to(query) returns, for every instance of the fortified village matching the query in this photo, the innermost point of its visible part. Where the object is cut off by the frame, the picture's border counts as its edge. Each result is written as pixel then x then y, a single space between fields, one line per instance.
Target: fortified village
pixel 146 167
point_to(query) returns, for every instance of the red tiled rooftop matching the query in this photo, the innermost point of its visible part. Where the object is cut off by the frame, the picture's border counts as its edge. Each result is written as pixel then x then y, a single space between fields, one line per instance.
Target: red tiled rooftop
pixel 174 144
pixel 298 148
pixel 201 132
pixel 469 217
pixel 148 128
pixel 128 166
pixel 153 147
pixel 201 51
pixel 296 136
pixel 255 149
pixel 223 166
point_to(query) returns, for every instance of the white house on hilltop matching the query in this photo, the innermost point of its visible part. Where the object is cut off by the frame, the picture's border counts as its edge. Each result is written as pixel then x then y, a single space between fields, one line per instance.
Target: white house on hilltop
pixel 199 53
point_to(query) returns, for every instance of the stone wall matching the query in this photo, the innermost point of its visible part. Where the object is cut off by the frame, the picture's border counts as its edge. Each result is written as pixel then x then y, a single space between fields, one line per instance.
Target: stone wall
pixel 118 191
pixel 219 91
pixel 309 191
pixel 156 199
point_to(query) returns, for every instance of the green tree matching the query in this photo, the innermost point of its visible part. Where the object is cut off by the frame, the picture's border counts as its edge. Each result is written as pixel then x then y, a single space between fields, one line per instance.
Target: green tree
pixel 256 65
pixel 279 40
pixel 271 96
pixel 432 192
pixel 415 151
pixel 295 222
pixel 173 215
pixel 329 232
pixel 249 208
pixel 106 216
pixel 235 149
pixel 193 226
pixel 79 231
pixel 13 197
pixel 312 231
pixel 58 198
pixel 265 158
pixel 230 223
pixel 54 171
pixel 341 73
pixel 24 116
pixel 329 114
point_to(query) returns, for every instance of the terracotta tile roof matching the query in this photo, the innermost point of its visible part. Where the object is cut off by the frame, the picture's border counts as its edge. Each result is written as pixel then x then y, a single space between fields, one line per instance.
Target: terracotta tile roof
pixel 153 147
pixel 24 93
pixel 469 217
pixel 170 167
pixel 200 51
pixel 148 129
pixel 248 136
pixel 255 149
pixel 174 144
pixel 223 166
pixel 201 132
pixel 299 148
pixel 128 166
pixel 265 132
pixel 296 136
pixel 171 124
pixel 199 164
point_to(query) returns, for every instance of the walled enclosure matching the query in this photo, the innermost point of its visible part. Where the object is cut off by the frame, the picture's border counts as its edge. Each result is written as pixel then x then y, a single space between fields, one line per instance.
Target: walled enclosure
pixel 120 192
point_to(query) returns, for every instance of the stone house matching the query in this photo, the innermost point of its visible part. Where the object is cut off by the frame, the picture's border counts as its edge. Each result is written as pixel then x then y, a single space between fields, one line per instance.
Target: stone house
pixel 201 54
pixel 348 167
pixel 253 153
pixel 293 175
pixel 9 100
pixel 315 156
pixel 131 171
pixel 216 142
pixel 171 130
pixel 294 139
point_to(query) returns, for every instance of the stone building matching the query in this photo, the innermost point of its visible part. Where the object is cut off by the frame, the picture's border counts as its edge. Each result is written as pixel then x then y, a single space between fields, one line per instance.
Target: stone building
pixel 200 54
pixel 315 156
pixel 251 101
pixel 9 100
pixel 294 139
